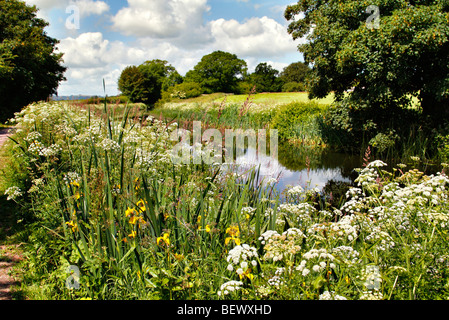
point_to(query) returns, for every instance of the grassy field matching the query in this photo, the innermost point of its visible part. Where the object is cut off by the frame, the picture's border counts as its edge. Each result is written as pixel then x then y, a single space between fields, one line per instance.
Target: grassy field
pixel 275 98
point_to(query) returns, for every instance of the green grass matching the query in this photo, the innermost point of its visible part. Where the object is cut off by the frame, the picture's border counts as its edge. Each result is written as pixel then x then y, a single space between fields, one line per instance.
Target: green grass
pixel 274 98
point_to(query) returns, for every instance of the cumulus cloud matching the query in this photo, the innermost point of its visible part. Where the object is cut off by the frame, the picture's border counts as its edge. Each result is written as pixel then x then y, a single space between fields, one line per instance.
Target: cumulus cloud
pixel 90 7
pixel 85 7
pixel 255 37
pixel 160 18
pixel 88 50
pixel 46 4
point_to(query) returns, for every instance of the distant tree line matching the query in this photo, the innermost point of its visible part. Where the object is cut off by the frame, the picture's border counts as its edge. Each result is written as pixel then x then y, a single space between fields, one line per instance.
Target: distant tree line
pixel 216 72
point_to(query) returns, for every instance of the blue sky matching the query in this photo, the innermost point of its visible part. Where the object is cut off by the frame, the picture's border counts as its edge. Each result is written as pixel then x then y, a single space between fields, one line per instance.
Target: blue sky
pixel 112 35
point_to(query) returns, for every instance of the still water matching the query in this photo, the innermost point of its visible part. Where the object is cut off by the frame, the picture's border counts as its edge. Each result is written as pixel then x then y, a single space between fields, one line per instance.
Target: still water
pixel 308 168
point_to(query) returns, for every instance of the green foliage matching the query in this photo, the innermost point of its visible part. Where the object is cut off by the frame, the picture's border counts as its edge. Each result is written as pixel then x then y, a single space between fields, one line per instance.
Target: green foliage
pixel 290 117
pixel 293 87
pixel 131 84
pixel 442 141
pixel 145 83
pixel 218 72
pixel 265 78
pixel 110 100
pixel 405 57
pixel 391 131
pixel 30 70
pixel 295 72
pixel 185 90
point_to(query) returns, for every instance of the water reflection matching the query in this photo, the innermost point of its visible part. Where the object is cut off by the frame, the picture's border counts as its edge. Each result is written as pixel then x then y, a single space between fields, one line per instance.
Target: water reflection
pixel 309 168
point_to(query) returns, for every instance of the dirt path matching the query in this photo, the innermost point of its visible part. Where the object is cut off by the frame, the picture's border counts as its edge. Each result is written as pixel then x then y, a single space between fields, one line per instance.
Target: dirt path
pixel 4 133
pixel 8 253
pixel 8 258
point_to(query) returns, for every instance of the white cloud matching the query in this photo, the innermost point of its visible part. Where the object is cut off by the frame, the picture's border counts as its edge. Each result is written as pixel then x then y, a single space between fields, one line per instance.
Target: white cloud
pixel 160 18
pixel 46 4
pixel 90 7
pixel 86 7
pixel 88 50
pixel 255 37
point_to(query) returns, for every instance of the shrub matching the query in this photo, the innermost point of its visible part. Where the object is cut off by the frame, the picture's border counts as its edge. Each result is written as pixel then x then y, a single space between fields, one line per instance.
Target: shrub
pixel 186 90
pixel 293 87
pixel 289 117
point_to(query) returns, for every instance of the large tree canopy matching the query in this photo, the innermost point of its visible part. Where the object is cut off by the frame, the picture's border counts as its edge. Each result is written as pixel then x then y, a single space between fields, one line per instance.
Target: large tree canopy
pixel 218 72
pixel 30 70
pixel 406 56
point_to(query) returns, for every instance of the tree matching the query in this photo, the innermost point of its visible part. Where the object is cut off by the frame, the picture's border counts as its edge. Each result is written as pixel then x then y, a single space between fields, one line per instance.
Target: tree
pixel 405 57
pixel 146 82
pixel 131 84
pixel 266 78
pixel 295 72
pixel 218 72
pixel 30 70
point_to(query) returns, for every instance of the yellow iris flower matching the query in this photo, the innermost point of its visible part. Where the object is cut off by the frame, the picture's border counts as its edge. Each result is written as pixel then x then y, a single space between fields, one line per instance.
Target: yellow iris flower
pixel 165 238
pixel 72 225
pixel 130 212
pixel 234 233
pixel 75 184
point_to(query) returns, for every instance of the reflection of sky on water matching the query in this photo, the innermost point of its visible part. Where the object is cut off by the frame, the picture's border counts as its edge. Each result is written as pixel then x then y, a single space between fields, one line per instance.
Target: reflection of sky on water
pixel 271 168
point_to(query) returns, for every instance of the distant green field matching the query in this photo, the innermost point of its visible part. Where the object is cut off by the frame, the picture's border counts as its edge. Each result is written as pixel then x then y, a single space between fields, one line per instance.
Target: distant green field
pixel 276 97
pixel 261 98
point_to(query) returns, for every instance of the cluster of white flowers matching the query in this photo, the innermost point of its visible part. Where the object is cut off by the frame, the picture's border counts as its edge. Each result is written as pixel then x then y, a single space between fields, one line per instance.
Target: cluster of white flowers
pixel 13 193
pixel 316 260
pixel 354 193
pixel 376 164
pixel 278 246
pixel 240 258
pixel 66 129
pixel 229 287
pixel 248 211
pixel 345 229
pixel 36 185
pixel 326 295
pixel 353 206
pixel 367 177
pixel 109 145
pixel 35 147
pixel 71 177
pixel 372 277
pixel 346 255
pixel 267 235
pixel 299 213
pixel 50 151
pixel 371 295
pixel 275 281
pixel 32 136
pixel 438 218
pixel 295 191
pixel 39 148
